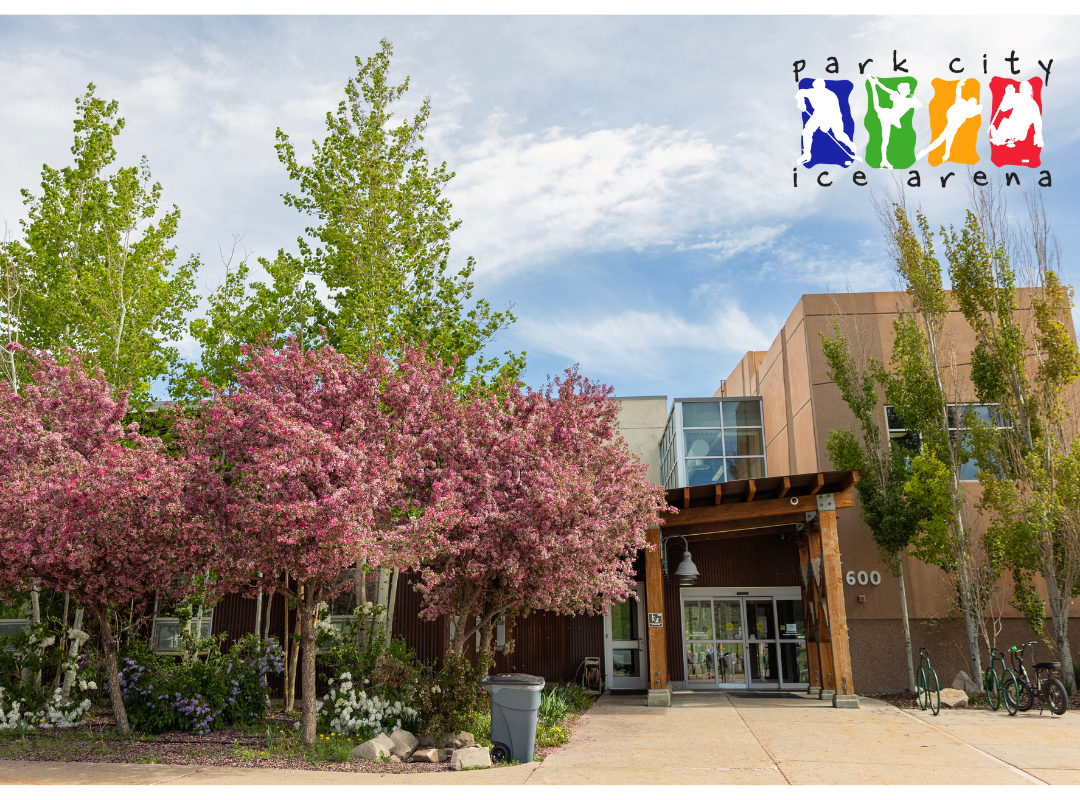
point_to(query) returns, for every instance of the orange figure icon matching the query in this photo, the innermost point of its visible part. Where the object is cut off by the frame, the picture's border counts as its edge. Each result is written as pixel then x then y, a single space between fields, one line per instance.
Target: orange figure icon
pixel 955 117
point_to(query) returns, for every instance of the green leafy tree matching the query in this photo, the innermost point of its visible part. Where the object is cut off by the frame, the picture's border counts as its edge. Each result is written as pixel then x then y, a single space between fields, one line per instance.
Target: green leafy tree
pixel 883 469
pixel 242 313
pixel 925 389
pixel 98 266
pixel 1024 366
pixel 381 237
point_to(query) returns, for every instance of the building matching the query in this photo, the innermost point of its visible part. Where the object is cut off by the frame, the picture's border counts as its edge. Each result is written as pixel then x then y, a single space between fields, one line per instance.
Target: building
pixel 792 592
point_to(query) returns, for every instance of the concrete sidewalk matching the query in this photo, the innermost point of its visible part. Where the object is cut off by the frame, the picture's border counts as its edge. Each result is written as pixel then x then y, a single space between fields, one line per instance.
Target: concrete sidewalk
pixel 712 738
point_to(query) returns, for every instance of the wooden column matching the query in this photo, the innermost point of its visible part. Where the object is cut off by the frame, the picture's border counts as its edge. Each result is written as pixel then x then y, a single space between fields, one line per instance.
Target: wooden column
pixel 809 592
pixel 654 604
pixel 834 592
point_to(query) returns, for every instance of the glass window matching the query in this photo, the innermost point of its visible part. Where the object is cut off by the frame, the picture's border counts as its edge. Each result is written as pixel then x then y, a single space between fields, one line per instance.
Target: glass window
pixel 759 616
pixel 728 619
pixel 742 413
pixel 731 663
pixel 704 471
pixel 790 619
pixel 794 663
pixel 701 415
pixel 700 663
pixel 624 623
pixel 704 442
pixel 959 416
pixel 625 663
pixel 740 469
pixel 743 442
pixel 697 619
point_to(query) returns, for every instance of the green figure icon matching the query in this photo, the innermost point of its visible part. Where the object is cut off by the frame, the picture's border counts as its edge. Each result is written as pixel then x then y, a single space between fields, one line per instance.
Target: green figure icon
pixel 890 108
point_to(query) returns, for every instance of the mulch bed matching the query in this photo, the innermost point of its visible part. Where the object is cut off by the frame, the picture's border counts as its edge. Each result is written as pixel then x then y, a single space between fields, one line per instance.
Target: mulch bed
pixel 98 742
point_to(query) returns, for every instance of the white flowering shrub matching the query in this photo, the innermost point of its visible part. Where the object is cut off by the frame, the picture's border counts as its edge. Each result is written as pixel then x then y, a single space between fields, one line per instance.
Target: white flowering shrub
pixel 348 709
pixel 50 711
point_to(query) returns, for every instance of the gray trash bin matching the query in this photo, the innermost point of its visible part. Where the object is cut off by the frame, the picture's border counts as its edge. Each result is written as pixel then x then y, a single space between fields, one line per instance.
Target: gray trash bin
pixel 515 701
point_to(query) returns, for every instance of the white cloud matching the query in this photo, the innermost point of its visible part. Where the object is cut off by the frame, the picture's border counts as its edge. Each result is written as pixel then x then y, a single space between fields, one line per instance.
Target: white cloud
pixel 750 240
pixel 530 197
pixel 642 342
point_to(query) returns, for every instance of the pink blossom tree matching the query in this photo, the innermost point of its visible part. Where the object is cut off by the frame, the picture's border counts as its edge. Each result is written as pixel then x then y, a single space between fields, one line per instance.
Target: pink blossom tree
pixel 87 507
pixel 302 469
pixel 552 508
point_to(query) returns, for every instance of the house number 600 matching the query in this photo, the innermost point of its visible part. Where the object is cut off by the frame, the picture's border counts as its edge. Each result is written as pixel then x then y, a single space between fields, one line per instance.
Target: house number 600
pixel 862 578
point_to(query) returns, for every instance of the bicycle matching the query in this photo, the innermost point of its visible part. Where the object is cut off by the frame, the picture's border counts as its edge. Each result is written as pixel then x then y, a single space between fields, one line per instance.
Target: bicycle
pixel 994 685
pixel 1046 687
pixel 929 694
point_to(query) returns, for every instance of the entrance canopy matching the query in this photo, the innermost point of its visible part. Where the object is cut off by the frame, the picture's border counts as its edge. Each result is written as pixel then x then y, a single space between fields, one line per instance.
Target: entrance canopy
pixel 802 508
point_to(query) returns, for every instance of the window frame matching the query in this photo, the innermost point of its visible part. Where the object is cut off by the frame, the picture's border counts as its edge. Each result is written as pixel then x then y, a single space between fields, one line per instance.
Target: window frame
pixel 673 455
pixel 950 411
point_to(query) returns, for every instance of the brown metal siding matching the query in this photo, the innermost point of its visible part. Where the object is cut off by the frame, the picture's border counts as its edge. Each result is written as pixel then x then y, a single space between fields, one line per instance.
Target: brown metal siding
pixel 427 638
pixel 552 645
pixel 767 560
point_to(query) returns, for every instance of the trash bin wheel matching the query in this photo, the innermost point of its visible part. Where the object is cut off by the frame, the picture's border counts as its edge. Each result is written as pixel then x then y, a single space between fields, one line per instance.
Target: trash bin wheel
pixel 500 753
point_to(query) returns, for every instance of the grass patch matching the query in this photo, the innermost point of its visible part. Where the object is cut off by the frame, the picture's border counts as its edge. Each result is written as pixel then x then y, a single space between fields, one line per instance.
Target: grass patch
pixel 330 749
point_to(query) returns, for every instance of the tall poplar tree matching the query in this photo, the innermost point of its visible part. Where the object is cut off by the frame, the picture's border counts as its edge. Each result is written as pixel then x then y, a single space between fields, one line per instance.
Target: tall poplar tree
pixel 97 263
pixel 1024 365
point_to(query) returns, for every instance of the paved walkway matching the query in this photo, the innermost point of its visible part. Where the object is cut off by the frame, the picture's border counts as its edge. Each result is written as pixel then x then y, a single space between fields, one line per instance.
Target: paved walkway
pixel 713 739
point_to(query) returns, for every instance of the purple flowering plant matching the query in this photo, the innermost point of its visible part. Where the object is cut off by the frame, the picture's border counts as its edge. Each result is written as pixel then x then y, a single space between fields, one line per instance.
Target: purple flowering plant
pixel 216 690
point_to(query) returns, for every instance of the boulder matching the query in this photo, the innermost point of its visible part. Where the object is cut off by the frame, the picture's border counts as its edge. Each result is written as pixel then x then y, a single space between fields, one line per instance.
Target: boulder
pixel 427 741
pixel 427 755
pixel 456 741
pixel 445 753
pixel 372 749
pixel 395 758
pixel 954 698
pixel 964 683
pixel 470 757
pixel 404 743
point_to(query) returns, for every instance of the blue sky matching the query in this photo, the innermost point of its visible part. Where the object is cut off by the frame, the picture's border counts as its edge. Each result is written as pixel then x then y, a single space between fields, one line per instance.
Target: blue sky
pixel 625 182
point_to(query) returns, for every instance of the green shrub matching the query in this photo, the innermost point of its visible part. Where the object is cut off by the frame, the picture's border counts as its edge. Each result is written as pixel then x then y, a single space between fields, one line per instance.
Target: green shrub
pixel 163 693
pixel 553 707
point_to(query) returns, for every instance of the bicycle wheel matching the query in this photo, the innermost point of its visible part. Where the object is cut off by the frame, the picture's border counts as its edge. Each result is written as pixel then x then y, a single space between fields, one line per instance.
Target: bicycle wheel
pixel 993 689
pixel 920 685
pixel 934 692
pixel 1009 693
pixel 1056 697
pixel 1025 696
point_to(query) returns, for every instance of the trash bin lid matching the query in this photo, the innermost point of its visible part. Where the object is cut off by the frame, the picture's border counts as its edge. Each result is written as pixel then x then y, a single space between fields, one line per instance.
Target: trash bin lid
pixel 517 679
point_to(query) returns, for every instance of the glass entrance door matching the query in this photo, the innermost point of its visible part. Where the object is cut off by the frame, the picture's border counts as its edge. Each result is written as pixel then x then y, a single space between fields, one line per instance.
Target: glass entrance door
pixel 744 643
pixel 624 636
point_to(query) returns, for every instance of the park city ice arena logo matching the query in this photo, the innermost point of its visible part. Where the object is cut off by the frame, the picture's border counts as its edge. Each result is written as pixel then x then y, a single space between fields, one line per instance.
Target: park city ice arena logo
pixel 957 110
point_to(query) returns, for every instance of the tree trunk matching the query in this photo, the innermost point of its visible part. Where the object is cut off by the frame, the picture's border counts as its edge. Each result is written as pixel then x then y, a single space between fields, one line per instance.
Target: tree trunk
pixel 69 675
pixel 382 598
pixel 361 601
pixel 307 680
pixel 971 629
pixel 269 608
pixel 294 651
pixel 258 612
pixel 391 601
pixel 112 674
pixel 1059 615
pixel 906 623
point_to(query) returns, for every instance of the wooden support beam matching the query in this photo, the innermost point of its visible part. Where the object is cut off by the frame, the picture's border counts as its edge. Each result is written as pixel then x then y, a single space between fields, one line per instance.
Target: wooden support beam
pixel 820 483
pixel 834 592
pixel 825 663
pixel 654 604
pixel 738 527
pixel 784 491
pixel 748 511
pixel 719 491
pixel 686 497
pixel 750 491
pixel 809 597
pixel 851 481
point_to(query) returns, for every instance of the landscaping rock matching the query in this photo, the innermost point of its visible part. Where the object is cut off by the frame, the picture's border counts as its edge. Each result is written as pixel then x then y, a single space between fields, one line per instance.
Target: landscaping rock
pixel 426 756
pixel 445 753
pixel 404 744
pixel 954 698
pixel 474 756
pixel 427 741
pixel 395 758
pixel 372 749
pixel 458 740
pixel 964 683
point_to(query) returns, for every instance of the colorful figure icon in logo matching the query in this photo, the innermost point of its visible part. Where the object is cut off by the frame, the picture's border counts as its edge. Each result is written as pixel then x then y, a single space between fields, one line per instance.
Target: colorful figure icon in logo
pixel 955 117
pixel 890 108
pixel 1016 123
pixel 827 124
